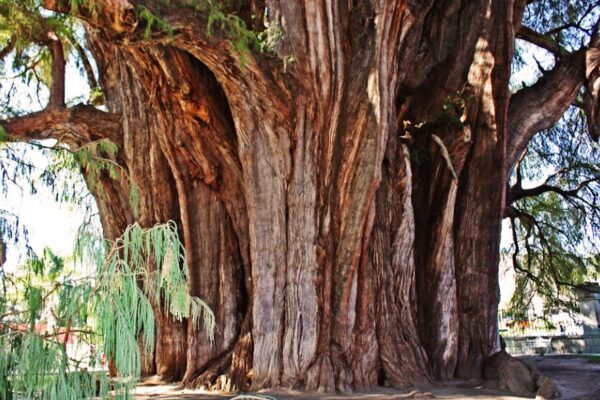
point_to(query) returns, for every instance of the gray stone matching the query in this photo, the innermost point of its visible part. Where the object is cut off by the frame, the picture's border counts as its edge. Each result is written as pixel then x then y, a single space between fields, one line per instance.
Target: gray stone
pixel 547 389
pixel 516 377
pixel 505 372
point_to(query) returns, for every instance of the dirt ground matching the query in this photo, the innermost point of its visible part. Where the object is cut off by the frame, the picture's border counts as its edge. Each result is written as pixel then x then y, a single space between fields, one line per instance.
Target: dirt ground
pixel 577 378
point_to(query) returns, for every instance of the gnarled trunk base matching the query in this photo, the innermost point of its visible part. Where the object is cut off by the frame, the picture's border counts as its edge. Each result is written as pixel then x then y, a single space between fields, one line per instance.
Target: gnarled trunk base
pixel 332 258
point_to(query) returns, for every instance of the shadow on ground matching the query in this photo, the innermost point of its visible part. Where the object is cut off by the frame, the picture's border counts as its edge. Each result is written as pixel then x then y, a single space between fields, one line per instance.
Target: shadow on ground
pixel 578 378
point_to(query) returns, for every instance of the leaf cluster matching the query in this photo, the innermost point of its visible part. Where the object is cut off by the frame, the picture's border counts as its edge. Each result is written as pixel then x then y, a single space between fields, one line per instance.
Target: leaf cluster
pixel 556 230
pixel 34 363
pixel 140 274
pixel 570 23
pixel 25 59
pixel 221 16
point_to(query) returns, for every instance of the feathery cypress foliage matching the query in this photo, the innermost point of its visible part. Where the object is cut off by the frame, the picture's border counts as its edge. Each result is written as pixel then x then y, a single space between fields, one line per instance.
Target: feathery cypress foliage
pixel 111 310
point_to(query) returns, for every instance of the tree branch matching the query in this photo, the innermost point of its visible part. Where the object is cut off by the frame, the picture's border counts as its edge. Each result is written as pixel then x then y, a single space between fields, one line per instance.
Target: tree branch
pixel 57 87
pixel 517 193
pixel 115 17
pixel 540 106
pixel 514 214
pixel 87 65
pixel 76 125
pixel 540 40
pixel 519 182
pixel 515 254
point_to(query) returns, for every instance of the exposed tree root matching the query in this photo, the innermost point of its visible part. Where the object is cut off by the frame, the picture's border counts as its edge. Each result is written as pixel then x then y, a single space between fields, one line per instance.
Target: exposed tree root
pixel 230 372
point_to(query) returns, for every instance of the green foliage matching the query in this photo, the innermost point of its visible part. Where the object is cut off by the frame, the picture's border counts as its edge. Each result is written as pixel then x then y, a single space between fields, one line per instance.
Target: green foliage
pixel 112 309
pixel 220 16
pixel 35 363
pixel 569 22
pixel 97 159
pixel 61 176
pixel 25 71
pixel 152 22
pixel 26 377
pixel 155 257
pixel 240 37
pixel 556 233
pixel 26 62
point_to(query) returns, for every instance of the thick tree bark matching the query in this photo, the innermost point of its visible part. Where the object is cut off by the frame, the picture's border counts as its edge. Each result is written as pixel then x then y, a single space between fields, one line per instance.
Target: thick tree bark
pixel 340 212
pixel 477 229
pixel 174 172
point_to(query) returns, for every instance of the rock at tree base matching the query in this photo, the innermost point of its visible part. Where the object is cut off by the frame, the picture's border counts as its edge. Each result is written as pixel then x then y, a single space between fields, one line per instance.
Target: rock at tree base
pixel 504 372
pixel 547 389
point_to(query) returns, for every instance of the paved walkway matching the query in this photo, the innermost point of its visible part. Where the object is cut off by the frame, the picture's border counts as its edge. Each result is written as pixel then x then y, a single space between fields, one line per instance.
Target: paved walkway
pixel 577 377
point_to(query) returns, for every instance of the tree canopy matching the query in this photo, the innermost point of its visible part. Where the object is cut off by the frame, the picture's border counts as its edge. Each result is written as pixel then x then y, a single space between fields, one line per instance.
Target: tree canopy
pixel 552 201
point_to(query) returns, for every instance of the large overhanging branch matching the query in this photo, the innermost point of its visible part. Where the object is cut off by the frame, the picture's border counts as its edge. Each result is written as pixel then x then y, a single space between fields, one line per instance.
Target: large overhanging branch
pixel 540 106
pixel 115 17
pixel 517 193
pixel 543 41
pixel 76 125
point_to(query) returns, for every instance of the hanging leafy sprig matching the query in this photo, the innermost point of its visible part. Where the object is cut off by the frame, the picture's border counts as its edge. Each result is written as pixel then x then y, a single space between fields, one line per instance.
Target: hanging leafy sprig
pixel 142 270
pixel 554 212
pixel 155 257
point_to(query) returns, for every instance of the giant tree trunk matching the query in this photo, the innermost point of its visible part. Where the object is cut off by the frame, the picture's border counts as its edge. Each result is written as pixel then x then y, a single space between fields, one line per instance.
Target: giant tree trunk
pixel 333 255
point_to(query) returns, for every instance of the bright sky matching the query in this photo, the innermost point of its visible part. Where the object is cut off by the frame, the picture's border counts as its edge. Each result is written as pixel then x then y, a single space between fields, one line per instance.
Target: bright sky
pixel 49 223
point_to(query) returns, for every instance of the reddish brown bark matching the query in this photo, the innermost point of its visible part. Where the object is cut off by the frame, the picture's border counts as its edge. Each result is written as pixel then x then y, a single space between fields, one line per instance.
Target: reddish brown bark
pixel 333 255
pixel 477 229
pixel 57 88
pixel 77 125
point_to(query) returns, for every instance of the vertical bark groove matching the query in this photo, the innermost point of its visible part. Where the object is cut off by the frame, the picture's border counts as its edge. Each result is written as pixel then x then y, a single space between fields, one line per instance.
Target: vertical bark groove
pixel 332 258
